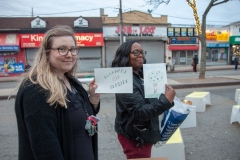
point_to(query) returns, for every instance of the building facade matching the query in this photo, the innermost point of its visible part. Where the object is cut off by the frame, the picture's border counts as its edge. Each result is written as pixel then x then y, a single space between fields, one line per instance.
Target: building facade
pixel 217 41
pixel 234 40
pixel 182 45
pixel 149 31
pixel 29 33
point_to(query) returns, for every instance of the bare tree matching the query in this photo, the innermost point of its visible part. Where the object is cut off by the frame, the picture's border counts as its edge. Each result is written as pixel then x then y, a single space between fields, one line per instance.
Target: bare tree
pixel 201 29
pixel 156 3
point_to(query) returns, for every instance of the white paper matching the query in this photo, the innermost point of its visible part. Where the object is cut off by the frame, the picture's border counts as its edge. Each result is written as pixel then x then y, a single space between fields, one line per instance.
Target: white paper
pixel 155 78
pixel 114 80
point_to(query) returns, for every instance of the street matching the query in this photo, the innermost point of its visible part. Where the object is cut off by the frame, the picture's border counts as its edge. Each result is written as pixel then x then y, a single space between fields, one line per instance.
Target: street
pixel 170 75
pixel 214 138
pixel 211 73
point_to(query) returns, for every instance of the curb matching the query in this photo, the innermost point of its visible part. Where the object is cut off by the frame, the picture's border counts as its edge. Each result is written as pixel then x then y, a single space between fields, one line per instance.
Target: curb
pixel 200 85
pixel 175 86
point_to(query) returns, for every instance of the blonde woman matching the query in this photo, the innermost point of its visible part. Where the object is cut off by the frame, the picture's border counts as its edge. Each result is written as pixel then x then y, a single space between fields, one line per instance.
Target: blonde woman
pixel 52 106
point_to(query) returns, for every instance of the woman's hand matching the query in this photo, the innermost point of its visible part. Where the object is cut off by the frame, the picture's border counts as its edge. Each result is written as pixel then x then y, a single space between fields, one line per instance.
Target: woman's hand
pixel 169 93
pixel 94 97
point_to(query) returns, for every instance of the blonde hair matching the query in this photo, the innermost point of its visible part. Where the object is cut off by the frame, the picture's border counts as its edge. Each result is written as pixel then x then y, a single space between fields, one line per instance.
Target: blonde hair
pixel 44 74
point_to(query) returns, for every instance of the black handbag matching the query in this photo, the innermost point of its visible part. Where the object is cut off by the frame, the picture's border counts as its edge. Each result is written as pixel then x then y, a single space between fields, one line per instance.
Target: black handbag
pixel 143 133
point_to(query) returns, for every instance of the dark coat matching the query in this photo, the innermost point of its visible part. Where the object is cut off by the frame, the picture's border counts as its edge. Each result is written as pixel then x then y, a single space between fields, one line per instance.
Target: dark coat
pixel 236 59
pixel 45 132
pixel 133 110
pixel 195 60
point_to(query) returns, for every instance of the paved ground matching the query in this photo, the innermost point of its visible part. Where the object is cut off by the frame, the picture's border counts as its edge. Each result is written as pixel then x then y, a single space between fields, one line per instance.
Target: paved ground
pixel 214 138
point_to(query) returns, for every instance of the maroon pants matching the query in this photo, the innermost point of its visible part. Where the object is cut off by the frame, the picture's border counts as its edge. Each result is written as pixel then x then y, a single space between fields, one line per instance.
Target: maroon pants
pixel 195 68
pixel 130 149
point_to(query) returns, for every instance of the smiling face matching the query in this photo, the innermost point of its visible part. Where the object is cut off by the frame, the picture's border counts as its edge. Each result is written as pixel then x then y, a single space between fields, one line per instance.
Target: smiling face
pixel 136 61
pixel 60 63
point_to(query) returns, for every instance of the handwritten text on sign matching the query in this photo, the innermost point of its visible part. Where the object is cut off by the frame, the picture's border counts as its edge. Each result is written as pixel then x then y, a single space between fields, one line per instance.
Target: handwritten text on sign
pixel 114 80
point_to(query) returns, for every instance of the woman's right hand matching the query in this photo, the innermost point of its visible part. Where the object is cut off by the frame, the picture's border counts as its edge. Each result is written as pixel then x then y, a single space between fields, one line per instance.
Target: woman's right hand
pixel 169 93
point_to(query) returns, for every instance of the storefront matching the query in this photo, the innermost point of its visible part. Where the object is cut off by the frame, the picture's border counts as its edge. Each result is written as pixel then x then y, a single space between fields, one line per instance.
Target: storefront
pixel 182 45
pixel 150 37
pixel 217 52
pixel 90 49
pixel 234 47
pixel 12 58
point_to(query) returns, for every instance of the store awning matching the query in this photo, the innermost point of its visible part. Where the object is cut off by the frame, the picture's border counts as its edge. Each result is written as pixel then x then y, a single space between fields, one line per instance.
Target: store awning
pixel 173 47
pixel 9 42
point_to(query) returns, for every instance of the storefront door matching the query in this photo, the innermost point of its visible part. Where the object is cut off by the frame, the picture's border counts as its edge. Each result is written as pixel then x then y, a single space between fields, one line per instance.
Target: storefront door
pixel 214 55
pixel 182 57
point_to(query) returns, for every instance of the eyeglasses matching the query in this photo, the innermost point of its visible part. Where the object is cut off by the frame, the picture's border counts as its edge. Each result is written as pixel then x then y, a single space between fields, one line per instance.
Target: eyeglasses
pixel 137 53
pixel 64 51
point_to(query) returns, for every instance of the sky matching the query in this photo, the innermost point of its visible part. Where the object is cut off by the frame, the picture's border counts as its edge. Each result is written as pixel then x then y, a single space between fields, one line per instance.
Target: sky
pixel 178 11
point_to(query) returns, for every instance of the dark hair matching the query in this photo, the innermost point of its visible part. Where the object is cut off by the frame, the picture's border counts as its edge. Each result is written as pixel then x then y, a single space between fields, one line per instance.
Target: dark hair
pixel 122 54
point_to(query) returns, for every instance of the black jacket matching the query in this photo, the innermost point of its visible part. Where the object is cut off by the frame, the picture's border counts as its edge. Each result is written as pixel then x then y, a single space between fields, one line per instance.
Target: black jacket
pixel 138 116
pixel 45 132
pixel 195 60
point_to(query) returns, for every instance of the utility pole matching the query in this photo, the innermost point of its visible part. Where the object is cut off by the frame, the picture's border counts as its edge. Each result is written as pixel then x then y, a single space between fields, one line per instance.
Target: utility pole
pixel 32 12
pixel 121 22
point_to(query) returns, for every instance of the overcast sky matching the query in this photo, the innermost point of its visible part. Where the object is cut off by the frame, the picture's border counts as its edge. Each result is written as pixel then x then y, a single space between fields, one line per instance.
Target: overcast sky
pixel 178 11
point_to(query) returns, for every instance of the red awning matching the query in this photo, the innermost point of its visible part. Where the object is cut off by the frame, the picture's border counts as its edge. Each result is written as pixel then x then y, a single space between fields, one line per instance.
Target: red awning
pixel 183 47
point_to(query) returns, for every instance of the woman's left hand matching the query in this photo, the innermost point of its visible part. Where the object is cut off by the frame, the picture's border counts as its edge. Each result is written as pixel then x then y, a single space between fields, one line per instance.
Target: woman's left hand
pixel 94 97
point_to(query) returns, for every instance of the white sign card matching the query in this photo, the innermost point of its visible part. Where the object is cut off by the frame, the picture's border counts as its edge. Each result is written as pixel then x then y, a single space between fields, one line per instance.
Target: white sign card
pixel 114 80
pixel 155 78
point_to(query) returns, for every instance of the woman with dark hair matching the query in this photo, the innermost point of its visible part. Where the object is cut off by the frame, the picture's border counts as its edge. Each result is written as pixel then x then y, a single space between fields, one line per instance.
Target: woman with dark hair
pixel 137 122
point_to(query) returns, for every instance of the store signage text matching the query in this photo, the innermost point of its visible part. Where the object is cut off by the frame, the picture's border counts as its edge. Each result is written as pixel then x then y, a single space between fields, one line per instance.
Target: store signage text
pixel 14 68
pixel 183 40
pixel 136 31
pixel 217 35
pixel 234 40
pixel 89 39
pixel 83 39
pixel 237 39
pixel 9 48
pixel 217 45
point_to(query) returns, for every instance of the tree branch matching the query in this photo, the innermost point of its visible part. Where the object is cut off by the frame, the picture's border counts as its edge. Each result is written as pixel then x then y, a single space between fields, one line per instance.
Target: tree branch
pixel 224 1
pixel 156 3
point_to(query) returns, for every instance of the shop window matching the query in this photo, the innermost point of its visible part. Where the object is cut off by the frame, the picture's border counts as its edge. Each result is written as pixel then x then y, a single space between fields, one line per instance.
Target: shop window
pixel 177 32
pixel 208 55
pixel 183 32
pixel 170 32
pixel 190 32
pixel 175 57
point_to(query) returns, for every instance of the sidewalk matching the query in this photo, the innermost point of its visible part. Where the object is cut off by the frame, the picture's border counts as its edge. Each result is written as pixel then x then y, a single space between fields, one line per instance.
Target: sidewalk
pixel 175 83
